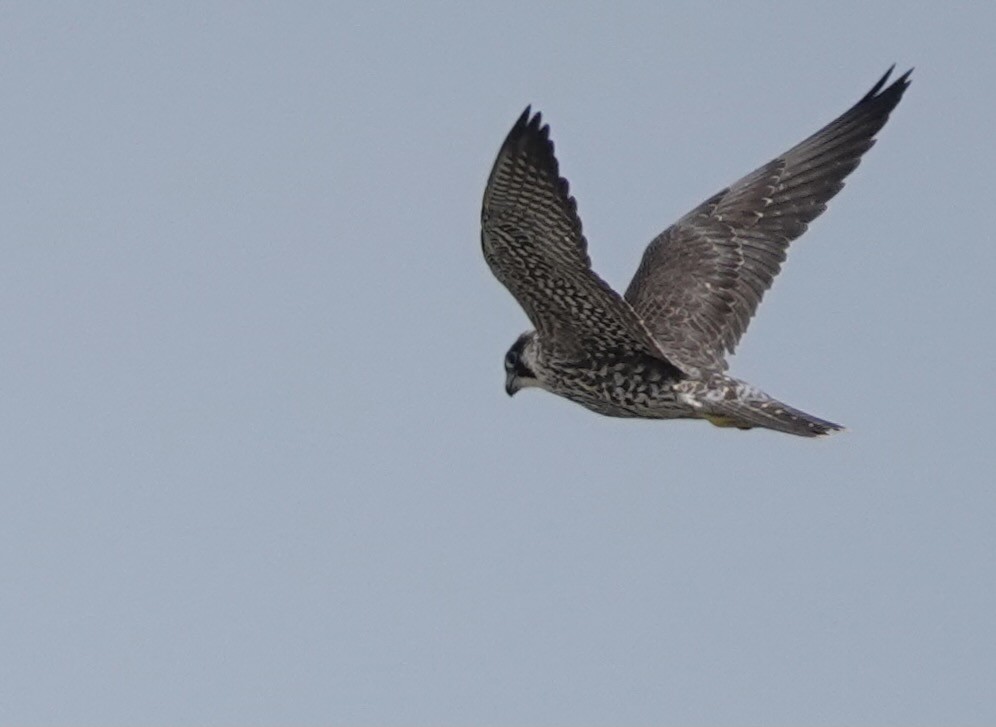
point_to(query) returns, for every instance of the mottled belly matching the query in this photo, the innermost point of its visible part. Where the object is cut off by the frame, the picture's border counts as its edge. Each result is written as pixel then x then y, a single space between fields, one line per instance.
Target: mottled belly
pixel 619 390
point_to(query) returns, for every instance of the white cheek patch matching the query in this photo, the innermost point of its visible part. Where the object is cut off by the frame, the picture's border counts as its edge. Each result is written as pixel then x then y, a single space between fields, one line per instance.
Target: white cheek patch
pixel 529 357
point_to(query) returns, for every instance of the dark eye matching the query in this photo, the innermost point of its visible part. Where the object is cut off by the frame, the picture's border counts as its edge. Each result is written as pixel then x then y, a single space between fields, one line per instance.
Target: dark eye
pixel 511 359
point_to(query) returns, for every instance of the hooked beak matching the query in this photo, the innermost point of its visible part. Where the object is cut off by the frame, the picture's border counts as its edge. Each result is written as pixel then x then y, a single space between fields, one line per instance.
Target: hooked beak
pixel 511 384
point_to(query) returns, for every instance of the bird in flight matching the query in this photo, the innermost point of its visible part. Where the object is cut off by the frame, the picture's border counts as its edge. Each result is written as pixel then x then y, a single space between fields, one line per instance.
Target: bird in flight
pixel 659 351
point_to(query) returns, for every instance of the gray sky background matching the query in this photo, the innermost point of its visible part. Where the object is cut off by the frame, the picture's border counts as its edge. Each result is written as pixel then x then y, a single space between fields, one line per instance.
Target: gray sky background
pixel 258 465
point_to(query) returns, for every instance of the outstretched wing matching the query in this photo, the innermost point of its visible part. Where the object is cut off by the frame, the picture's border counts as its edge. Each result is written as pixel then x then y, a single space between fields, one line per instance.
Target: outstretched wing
pixel 532 240
pixel 701 280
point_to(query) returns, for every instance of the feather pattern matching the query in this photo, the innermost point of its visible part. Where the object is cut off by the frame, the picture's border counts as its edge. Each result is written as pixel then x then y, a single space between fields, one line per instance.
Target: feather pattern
pixel 532 240
pixel 701 280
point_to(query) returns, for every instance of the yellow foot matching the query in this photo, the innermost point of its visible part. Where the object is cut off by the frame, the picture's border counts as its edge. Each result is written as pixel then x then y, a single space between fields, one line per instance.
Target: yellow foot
pixel 719 421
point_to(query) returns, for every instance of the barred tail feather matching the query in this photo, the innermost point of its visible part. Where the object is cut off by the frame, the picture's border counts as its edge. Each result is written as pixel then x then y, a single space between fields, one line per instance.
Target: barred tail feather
pixel 770 414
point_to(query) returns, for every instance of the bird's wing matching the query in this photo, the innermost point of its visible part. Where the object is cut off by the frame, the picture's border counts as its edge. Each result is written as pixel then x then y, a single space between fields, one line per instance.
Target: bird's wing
pixel 701 280
pixel 531 238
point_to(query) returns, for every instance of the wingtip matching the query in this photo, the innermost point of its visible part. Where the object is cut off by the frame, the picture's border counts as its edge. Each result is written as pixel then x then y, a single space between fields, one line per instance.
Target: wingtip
pixel 521 123
pixel 529 120
pixel 903 80
pixel 900 84
pixel 529 129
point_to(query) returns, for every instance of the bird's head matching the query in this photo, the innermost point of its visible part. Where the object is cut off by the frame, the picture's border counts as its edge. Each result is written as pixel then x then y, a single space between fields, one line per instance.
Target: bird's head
pixel 520 364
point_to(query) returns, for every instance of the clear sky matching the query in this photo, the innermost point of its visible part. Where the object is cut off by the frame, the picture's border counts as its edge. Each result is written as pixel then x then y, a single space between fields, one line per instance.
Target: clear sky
pixel 258 465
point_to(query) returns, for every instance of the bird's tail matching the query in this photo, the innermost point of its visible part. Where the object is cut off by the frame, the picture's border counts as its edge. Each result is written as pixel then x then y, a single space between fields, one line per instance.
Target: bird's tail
pixel 751 408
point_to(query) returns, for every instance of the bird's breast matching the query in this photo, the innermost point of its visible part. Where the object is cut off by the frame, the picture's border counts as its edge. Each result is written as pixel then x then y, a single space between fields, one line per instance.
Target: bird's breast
pixel 635 386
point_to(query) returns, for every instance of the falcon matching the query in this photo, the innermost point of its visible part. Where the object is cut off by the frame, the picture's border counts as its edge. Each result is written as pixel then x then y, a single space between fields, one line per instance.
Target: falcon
pixel 659 351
